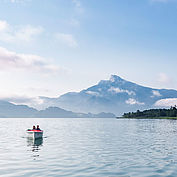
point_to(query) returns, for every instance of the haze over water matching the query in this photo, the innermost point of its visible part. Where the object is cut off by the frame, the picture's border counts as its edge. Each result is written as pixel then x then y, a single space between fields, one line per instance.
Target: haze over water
pixel 89 147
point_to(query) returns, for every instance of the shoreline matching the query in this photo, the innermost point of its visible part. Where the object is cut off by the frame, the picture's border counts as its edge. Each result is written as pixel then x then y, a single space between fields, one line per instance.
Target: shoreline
pixel 169 118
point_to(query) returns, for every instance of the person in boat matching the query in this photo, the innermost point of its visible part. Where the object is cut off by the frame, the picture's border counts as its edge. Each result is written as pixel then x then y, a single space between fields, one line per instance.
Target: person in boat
pixel 34 128
pixel 38 127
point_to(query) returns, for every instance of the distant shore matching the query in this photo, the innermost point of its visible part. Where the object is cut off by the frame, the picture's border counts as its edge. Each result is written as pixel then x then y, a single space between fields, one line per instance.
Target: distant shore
pixel 172 118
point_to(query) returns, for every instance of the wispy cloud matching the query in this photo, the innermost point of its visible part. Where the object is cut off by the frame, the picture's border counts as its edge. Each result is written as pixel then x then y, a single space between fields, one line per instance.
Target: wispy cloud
pixel 93 93
pixel 13 60
pixel 166 102
pixel 3 25
pixel 118 90
pixel 28 33
pixel 78 6
pixel 15 34
pixel 14 1
pixel 132 101
pixel 155 93
pixel 23 100
pixel 18 1
pixel 67 39
pixel 77 3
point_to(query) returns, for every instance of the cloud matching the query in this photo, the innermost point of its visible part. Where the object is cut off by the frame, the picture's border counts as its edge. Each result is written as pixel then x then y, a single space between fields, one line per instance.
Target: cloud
pixel 16 34
pixel 3 25
pixel 12 60
pixel 24 100
pixel 93 93
pixel 132 101
pixel 27 33
pixel 155 93
pixel 166 102
pixel 77 3
pixel 67 39
pixel 17 1
pixel 118 90
pixel 78 6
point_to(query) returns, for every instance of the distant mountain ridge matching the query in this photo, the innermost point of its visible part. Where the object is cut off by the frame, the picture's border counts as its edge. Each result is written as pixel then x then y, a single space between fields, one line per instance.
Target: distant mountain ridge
pixel 115 95
pixel 9 110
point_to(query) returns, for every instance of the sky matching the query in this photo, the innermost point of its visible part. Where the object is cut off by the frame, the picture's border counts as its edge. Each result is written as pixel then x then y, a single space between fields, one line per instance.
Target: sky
pixel 50 47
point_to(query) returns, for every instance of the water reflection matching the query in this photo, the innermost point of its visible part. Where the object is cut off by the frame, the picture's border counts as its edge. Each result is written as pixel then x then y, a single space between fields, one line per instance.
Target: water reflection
pixel 34 142
pixel 35 146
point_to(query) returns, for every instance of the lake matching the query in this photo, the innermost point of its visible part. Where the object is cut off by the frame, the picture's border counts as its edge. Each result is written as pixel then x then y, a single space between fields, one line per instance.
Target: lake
pixel 89 148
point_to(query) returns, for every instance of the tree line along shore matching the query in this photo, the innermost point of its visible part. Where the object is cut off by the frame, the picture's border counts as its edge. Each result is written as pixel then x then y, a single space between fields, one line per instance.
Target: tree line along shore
pixel 153 114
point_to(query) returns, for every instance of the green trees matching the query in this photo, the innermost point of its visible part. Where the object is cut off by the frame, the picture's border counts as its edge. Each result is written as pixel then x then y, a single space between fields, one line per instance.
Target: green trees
pixel 172 112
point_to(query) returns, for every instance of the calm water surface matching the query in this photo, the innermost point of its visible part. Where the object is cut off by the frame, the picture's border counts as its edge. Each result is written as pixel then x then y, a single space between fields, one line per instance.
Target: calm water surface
pixel 89 148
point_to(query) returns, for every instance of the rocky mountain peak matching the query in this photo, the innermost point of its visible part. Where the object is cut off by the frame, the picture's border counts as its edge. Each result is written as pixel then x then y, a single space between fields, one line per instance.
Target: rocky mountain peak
pixel 115 78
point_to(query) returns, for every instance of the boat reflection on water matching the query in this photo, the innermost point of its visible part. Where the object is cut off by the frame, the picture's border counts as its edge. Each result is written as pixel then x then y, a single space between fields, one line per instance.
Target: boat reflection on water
pixel 34 142
pixel 35 145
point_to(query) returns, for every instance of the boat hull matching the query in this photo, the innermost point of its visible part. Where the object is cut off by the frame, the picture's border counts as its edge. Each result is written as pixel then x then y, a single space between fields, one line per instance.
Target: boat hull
pixel 34 134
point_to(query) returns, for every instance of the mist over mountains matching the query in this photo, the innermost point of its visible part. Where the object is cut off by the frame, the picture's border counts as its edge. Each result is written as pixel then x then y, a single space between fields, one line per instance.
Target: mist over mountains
pixel 9 110
pixel 115 95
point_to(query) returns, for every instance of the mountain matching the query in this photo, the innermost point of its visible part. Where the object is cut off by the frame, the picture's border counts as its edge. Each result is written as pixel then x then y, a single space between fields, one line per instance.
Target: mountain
pixel 9 110
pixel 115 95
pixel 56 112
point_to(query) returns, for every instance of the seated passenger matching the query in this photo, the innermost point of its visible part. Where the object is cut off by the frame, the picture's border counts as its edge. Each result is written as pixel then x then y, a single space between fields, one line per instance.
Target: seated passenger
pixel 38 127
pixel 34 128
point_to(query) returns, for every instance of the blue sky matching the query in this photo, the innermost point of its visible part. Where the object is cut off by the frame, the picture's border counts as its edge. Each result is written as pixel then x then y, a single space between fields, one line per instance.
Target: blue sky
pixel 50 47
